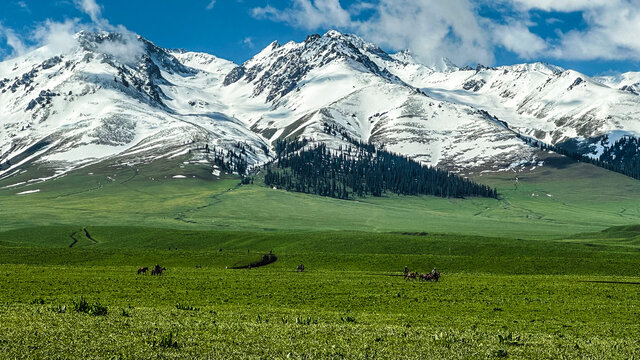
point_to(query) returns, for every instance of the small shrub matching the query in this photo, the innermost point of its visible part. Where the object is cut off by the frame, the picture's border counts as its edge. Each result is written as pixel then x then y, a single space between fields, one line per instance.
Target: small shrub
pixel 186 307
pixel 501 353
pixel 445 339
pixel 305 321
pixel 348 319
pixel 95 309
pixel 60 309
pixel 38 301
pixel 167 341
pixel 509 339
pixel 125 313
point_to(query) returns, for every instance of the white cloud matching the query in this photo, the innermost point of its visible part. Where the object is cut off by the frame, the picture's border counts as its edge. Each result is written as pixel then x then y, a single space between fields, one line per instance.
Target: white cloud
pixel 212 3
pixel 610 33
pixel 91 8
pixel 23 5
pixel 13 40
pixel 248 41
pixel 431 29
pixel 454 28
pixel 59 37
pixel 517 38
pixel 127 49
pixel 561 5
pixel 308 14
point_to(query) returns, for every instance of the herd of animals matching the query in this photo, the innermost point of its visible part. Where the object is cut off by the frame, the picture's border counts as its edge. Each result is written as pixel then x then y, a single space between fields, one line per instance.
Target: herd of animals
pixel 157 270
pixel 434 275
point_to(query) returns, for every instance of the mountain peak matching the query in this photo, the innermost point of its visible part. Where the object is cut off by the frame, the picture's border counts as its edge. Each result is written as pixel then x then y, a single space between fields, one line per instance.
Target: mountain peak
pixel 333 33
pixel 278 70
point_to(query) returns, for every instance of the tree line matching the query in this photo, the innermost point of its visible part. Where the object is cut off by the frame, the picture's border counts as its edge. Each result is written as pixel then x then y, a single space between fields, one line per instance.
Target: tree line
pixel 362 170
pixel 622 157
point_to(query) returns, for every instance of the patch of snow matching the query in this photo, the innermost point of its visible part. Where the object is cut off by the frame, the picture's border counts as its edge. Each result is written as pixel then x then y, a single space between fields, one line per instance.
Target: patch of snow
pixel 29 192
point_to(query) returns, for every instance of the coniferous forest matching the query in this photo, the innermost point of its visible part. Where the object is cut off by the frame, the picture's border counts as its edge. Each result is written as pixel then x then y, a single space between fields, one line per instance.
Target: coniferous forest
pixel 623 157
pixel 361 170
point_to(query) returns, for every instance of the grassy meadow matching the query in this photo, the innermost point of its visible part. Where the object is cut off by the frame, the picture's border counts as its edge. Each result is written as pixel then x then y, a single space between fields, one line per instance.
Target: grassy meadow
pixel 551 270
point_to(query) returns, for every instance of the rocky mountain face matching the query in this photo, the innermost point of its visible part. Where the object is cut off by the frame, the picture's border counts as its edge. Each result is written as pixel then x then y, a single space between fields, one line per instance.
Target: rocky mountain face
pixel 120 97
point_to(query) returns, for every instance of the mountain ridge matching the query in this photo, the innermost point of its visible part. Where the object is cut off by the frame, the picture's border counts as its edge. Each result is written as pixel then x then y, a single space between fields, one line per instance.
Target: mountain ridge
pixel 118 96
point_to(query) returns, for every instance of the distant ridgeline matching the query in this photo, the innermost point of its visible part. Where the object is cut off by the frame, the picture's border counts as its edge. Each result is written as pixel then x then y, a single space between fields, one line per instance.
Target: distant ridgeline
pixel 622 157
pixel 361 170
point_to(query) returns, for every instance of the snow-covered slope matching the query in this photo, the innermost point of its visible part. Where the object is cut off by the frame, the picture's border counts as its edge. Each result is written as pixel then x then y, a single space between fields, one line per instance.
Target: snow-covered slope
pixel 541 100
pixel 336 87
pixel 627 82
pixel 119 97
pixel 111 95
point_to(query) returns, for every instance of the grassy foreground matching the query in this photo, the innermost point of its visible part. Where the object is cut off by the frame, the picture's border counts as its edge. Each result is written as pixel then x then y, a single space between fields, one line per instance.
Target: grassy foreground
pixel 540 299
pixel 540 273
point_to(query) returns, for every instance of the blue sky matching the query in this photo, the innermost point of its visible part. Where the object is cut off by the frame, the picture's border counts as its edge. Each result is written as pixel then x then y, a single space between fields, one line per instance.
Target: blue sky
pixel 591 36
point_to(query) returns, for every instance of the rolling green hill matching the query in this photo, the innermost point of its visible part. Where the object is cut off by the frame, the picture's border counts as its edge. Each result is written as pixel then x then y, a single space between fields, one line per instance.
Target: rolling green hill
pixel 559 199
pixel 547 271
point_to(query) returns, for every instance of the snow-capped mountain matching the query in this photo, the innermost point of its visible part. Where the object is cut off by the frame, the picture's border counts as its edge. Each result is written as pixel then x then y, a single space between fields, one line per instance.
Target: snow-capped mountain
pixel 119 96
pixel 543 101
pixel 332 87
pixel 111 95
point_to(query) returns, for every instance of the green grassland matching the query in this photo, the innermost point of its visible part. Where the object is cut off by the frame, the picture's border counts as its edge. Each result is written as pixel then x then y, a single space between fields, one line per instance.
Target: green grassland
pixel 560 199
pixel 551 270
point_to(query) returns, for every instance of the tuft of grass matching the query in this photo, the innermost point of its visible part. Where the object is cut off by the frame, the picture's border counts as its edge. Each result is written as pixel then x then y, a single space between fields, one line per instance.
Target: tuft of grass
pixel 348 319
pixel 95 309
pixel 305 321
pixel 509 339
pixel 167 341
pixel 37 301
pixel 60 309
pixel 501 353
pixel 185 307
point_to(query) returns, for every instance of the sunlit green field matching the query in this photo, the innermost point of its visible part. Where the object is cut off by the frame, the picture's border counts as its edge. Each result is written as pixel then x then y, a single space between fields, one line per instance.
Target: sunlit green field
pixel 551 270
pixel 546 299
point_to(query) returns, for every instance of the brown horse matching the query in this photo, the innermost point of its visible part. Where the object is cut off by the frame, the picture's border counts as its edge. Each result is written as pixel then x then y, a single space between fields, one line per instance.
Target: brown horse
pixel 432 276
pixel 158 270
pixel 411 276
pixel 143 270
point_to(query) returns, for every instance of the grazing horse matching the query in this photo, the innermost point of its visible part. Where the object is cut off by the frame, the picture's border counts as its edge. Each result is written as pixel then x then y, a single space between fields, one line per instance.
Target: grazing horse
pixel 143 270
pixel 435 276
pixel 158 270
pixel 300 267
pixel 411 276
pixel 424 277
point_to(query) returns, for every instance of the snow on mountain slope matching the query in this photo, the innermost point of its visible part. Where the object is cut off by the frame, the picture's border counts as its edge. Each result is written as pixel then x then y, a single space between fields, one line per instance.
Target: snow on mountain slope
pixel 539 100
pixel 109 96
pixel 627 82
pixel 118 96
pixel 333 87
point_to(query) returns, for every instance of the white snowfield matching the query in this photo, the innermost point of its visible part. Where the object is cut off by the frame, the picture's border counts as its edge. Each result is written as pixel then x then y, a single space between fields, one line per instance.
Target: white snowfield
pixel 111 97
